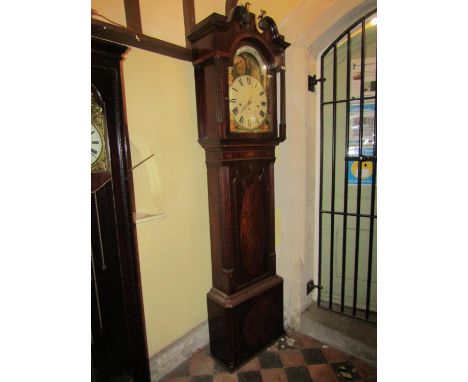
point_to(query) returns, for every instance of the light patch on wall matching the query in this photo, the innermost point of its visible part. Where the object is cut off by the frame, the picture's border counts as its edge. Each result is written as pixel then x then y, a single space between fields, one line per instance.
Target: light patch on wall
pixel 146 179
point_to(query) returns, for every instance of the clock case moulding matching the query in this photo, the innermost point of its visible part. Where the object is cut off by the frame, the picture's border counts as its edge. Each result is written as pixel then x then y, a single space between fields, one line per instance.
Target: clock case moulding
pixel 245 304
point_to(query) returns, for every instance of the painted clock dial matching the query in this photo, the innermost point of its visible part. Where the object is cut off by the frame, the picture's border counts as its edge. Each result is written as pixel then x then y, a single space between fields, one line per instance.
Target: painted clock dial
pixel 248 92
pixel 248 102
pixel 96 145
pixel 99 155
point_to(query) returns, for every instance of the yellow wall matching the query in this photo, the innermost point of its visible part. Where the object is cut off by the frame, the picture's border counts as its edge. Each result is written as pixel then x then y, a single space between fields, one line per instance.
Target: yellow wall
pixel 164 20
pixel 275 9
pixel 204 8
pixel 174 250
pixel 112 9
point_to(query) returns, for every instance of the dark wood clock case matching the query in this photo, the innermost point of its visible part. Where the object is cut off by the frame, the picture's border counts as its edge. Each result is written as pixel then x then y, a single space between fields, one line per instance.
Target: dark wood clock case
pixel 245 304
pixel 118 346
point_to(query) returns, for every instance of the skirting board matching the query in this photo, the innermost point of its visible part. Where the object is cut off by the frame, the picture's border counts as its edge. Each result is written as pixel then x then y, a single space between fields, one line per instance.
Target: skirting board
pixel 180 350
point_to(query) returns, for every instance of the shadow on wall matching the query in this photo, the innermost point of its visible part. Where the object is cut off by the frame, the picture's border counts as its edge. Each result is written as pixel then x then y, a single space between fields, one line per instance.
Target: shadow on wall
pixel 146 180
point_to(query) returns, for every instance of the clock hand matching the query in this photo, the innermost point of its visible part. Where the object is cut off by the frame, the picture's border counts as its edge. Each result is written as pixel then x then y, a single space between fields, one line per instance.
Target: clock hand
pixel 248 104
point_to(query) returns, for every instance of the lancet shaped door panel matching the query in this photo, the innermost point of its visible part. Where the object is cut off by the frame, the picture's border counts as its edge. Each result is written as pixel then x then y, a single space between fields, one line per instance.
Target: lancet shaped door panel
pixel 254 246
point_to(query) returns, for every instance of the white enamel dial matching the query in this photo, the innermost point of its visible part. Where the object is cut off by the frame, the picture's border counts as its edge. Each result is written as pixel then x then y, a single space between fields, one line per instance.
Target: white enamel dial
pixel 96 145
pixel 248 102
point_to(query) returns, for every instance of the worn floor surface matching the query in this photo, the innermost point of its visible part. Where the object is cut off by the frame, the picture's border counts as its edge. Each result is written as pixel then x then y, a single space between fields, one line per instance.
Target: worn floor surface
pixel 293 358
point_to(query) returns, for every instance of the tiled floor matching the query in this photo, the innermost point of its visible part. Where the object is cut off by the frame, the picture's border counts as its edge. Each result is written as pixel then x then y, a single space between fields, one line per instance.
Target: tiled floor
pixel 293 358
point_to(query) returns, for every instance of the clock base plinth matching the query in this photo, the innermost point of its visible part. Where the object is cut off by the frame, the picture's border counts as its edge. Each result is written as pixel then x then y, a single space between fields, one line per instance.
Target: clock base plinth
pixel 244 323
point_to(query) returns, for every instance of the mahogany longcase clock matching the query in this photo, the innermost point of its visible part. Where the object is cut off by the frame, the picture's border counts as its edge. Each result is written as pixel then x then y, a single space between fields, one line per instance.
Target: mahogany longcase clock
pixel 239 73
pixel 118 342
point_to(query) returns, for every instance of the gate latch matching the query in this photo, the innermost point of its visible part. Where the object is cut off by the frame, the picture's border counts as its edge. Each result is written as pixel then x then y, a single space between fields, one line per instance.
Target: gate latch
pixel 312 81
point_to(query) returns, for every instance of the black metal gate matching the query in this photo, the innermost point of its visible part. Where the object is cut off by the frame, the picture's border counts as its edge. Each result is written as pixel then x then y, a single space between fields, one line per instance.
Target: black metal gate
pixel 348 171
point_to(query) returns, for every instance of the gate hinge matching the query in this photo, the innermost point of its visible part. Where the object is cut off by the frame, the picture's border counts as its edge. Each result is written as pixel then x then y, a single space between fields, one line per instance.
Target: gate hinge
pixel 311 286
pixel 312 81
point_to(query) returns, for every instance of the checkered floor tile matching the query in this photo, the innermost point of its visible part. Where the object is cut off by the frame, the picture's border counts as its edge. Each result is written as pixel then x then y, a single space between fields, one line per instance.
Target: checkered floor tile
pixel 293 358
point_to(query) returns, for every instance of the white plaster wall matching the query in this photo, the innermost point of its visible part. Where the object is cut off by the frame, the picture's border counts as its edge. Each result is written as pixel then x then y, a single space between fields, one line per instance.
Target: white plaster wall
pixel 310 28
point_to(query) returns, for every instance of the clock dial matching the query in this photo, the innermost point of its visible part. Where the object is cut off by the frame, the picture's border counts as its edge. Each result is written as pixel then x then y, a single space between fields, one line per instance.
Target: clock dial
pixel 99 152
pixel 249 85
pixel 248 102
pixel 96 145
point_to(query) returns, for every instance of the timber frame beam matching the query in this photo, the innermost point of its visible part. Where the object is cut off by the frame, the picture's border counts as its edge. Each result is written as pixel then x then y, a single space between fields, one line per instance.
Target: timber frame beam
pixel 133 34
pixel 125 36
pixel 132 15
pixel 189 19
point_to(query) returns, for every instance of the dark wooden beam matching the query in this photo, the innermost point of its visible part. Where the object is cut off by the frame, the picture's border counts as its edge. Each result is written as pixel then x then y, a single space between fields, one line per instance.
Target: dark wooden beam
pixel 132 14
pixel 124 36
pixel 229 5
pixel 189 19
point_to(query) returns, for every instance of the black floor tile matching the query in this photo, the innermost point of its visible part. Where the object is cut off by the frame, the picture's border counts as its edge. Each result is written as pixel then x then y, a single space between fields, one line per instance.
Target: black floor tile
pixel 270 360
pixel 313 356
pixel 249 376
pixel 298 374
pixel 202 378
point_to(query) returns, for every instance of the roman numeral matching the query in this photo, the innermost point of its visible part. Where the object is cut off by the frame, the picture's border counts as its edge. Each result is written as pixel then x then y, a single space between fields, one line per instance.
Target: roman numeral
pixel 234 89
pixel 95 142
pixel 93 152
pixel 262 93
pixel 240 81
pixel 241 120
pixel 263 103
pixel 233 100
pixel 92 132
pixel 235 111
pixel 262 113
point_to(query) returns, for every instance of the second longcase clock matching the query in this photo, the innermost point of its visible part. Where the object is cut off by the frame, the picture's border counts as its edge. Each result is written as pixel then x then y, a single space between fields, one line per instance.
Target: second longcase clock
pixel 239 77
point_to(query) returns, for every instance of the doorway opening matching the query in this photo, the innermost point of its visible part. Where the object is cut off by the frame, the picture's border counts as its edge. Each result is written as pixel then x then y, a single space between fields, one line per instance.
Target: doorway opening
pixel 348 172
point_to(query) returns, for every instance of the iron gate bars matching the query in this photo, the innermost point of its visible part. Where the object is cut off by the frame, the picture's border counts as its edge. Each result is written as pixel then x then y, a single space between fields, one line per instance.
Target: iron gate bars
pixel 354 155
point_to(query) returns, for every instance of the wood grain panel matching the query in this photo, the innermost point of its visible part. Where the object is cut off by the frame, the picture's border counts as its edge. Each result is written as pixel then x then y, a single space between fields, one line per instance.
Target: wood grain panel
pixel 252 228
pixel 252 217
pixel 243 323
